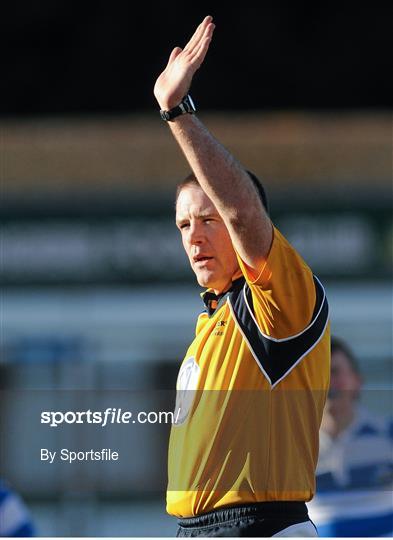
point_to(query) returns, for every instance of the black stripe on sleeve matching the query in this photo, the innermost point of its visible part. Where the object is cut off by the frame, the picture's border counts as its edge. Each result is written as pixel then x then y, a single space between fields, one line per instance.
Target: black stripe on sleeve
pixel 277 357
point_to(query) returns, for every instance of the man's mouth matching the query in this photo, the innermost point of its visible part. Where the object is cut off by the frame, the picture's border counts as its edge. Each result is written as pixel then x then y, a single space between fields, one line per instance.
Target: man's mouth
pixel 201 259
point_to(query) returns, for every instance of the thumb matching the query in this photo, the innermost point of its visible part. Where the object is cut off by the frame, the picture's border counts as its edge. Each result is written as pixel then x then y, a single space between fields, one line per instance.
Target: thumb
pixel 174 54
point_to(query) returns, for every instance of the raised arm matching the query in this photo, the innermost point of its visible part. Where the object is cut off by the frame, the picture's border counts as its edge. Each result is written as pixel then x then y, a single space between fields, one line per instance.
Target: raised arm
pixel 220 175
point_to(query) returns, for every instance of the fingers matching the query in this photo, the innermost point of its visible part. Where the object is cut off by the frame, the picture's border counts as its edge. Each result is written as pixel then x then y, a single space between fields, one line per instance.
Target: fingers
pixel 195 39
pixel 199 52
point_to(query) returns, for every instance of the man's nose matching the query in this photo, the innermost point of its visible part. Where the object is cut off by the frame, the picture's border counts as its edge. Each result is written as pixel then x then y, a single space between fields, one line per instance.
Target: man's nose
pixel 195 234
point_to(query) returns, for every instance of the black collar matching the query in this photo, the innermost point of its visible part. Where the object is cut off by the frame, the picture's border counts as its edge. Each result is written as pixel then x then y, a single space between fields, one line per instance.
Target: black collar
pixel 213 301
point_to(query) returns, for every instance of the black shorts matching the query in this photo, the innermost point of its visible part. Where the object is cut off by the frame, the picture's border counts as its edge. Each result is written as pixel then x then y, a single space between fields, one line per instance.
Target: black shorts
pixel 256 520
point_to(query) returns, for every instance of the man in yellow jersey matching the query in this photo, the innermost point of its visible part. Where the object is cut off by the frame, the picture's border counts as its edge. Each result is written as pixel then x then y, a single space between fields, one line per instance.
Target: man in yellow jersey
pixel 253 383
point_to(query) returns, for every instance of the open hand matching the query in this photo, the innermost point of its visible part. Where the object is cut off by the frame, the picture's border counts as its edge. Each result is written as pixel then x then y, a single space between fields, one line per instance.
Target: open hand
pixel 175 81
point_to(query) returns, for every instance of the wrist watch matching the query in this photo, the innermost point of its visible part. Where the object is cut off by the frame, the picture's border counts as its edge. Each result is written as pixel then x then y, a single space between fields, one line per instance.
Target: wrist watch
pixel 186 106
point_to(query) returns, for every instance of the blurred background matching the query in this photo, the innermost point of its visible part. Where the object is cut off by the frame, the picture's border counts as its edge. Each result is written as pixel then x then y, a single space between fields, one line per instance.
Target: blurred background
pixel 97 295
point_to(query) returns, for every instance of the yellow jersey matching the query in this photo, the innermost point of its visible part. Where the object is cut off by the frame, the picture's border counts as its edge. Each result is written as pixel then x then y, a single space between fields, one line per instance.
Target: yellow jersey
pixel 251 391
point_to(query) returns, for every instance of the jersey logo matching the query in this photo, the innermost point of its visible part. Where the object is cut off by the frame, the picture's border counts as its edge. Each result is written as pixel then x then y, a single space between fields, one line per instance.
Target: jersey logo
pixel 186 386
pixel 219 329
pixel 277 357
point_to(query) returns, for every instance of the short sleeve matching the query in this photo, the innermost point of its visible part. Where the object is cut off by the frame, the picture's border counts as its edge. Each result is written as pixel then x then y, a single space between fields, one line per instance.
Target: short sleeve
pixel 283 291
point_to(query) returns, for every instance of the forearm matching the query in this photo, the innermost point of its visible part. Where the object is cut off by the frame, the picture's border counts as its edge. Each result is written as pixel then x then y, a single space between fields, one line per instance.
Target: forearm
pixel 219 174
pixel 228 185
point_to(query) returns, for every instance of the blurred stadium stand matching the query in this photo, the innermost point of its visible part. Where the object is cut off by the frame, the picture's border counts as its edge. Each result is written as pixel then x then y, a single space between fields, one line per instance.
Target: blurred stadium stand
pixel 102 190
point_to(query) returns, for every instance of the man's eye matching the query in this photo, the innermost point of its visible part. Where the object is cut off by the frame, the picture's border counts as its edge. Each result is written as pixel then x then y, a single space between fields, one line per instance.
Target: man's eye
pixel 184 225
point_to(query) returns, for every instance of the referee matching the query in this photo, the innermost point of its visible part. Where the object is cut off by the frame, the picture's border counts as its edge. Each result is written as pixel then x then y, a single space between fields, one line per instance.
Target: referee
pixel 253 383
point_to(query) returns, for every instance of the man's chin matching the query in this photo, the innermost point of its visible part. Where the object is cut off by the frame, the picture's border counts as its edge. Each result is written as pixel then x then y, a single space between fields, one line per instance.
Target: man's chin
pixel 205 283
pixel 205 279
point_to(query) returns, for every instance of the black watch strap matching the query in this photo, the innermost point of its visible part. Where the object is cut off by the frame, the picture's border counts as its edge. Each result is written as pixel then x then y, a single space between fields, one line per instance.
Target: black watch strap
pixel 185 107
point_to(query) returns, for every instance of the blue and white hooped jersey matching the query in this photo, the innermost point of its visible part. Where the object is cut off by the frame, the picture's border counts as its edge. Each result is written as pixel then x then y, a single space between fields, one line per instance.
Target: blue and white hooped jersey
pixel 355 480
